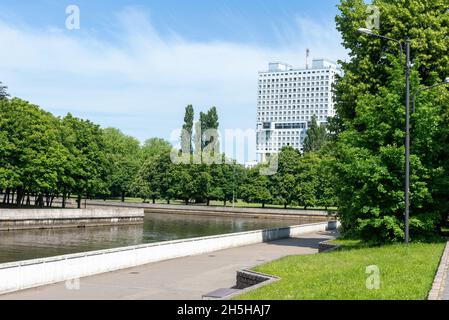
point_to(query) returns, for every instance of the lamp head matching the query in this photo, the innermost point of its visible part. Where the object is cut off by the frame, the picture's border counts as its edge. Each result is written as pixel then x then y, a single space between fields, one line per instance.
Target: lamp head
pixel 365 31
pixel 446 80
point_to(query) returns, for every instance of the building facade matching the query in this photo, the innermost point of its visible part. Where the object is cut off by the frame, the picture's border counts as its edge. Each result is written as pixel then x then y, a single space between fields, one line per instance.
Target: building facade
pixel 287 100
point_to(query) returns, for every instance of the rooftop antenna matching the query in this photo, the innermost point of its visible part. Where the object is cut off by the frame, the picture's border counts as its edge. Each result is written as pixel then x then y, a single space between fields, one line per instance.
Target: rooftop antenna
pixel 307 58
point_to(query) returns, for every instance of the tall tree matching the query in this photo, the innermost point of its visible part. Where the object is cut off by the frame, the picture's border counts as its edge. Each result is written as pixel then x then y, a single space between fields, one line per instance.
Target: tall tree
pixel 371 121
pixel 307 176
pixel 188 128
pixel 3 91
pixel 256 188
pixel 208 121
pixel 90 169
pixel 122 153
pixel 153 147
pixel 316 136
pixel 284 181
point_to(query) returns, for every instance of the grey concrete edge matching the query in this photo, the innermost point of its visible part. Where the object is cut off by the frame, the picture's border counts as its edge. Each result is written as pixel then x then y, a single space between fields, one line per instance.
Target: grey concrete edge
pixel 440 277
pixel 327 246
pixel 143 246
pixel 271 280
pixel 218 209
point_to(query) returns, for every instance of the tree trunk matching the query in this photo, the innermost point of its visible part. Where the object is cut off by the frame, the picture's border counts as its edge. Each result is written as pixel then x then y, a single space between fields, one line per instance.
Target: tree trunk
pixel 40 200
pixel 47 199
pixel 19 197
pixel 263 205
pixel 208 202
pixel 154 200
pixel 187 202
pixel 78 200
pixel 63 199
pixel 123 196
pixel 5 196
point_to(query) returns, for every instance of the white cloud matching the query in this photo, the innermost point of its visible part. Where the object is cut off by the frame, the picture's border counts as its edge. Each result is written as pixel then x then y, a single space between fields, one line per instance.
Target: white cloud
pixel 148 78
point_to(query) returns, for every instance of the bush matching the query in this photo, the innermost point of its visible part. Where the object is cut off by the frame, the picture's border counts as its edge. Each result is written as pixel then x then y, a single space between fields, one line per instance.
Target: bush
pixel 386 229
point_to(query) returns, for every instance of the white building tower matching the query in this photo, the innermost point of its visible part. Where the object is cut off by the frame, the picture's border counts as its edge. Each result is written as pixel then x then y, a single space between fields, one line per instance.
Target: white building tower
pixel 287 100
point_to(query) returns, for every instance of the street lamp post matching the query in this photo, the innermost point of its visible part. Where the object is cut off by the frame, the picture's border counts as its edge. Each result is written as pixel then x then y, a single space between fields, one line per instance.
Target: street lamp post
pixel 407 122
pixel 407 141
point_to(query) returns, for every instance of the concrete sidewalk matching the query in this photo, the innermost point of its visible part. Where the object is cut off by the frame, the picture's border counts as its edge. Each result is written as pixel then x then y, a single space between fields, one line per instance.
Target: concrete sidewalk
pixel 440 287
pixel 445 279
pixel 184 278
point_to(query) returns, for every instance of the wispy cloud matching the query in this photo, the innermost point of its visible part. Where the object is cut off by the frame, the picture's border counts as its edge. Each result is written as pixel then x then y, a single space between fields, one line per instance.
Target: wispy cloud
pixel 145 76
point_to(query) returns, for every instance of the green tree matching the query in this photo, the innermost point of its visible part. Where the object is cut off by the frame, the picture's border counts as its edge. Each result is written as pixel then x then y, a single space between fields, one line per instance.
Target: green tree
pixel 208 121
pixel 188 128
pixel 284 181
pixel 32 155
pixel 153 147
pixel 217 185
pixel 89 167
pixel 256 188
pixel 202 181
pixel 185 183
pixel 3 91
pixel 316 136
pixel 307 182
pixel 327 181
pixel 122 154
pixel 371 120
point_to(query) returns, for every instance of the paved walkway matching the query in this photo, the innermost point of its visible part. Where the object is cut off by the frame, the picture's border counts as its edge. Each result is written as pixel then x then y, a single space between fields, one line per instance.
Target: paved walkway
pixel 185 278
pixel 440 287
pixel 445 291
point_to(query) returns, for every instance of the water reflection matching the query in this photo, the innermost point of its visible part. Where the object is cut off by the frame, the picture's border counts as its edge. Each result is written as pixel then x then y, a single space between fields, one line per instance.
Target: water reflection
pixel 31 244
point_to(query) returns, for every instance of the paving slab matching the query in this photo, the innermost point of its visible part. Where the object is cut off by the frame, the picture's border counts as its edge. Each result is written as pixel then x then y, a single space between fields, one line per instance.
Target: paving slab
pixel 444 295
pixel 186 278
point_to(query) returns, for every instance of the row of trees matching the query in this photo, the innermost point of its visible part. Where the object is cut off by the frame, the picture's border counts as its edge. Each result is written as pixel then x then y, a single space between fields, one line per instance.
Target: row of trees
pixel 301 181
pixel 43 157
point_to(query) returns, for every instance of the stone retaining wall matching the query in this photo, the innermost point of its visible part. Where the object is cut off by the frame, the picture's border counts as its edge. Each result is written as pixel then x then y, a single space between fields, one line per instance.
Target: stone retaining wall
pixel 20 219
pixel 327 246
pixel 246 279
pixel 310 215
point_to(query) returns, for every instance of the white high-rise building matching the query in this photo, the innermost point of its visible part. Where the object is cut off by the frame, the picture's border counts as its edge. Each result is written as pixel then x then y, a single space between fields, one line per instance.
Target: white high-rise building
pixel 287 99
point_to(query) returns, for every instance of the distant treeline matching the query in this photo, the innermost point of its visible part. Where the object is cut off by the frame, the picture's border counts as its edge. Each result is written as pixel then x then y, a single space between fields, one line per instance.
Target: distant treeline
pixel 43 157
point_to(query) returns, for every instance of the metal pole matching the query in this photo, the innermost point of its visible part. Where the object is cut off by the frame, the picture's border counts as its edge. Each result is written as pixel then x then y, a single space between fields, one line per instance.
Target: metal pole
pixel 407 144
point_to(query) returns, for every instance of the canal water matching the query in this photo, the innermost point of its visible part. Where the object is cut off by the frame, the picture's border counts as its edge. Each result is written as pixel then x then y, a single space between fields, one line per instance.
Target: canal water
pixel 32 244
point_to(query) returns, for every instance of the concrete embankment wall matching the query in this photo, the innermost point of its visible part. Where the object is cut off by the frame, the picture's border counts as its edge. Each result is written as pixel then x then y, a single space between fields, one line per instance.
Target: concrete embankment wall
pixel 27 274
pixel 310 215
pixel 20 219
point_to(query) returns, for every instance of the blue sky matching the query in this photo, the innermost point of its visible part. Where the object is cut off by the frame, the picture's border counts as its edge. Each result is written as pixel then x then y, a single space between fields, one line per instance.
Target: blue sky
pixel 135 65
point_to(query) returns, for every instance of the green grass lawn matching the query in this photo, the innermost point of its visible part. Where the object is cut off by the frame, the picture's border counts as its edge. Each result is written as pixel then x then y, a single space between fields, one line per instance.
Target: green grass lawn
pixel 406 273
pixel 242 204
